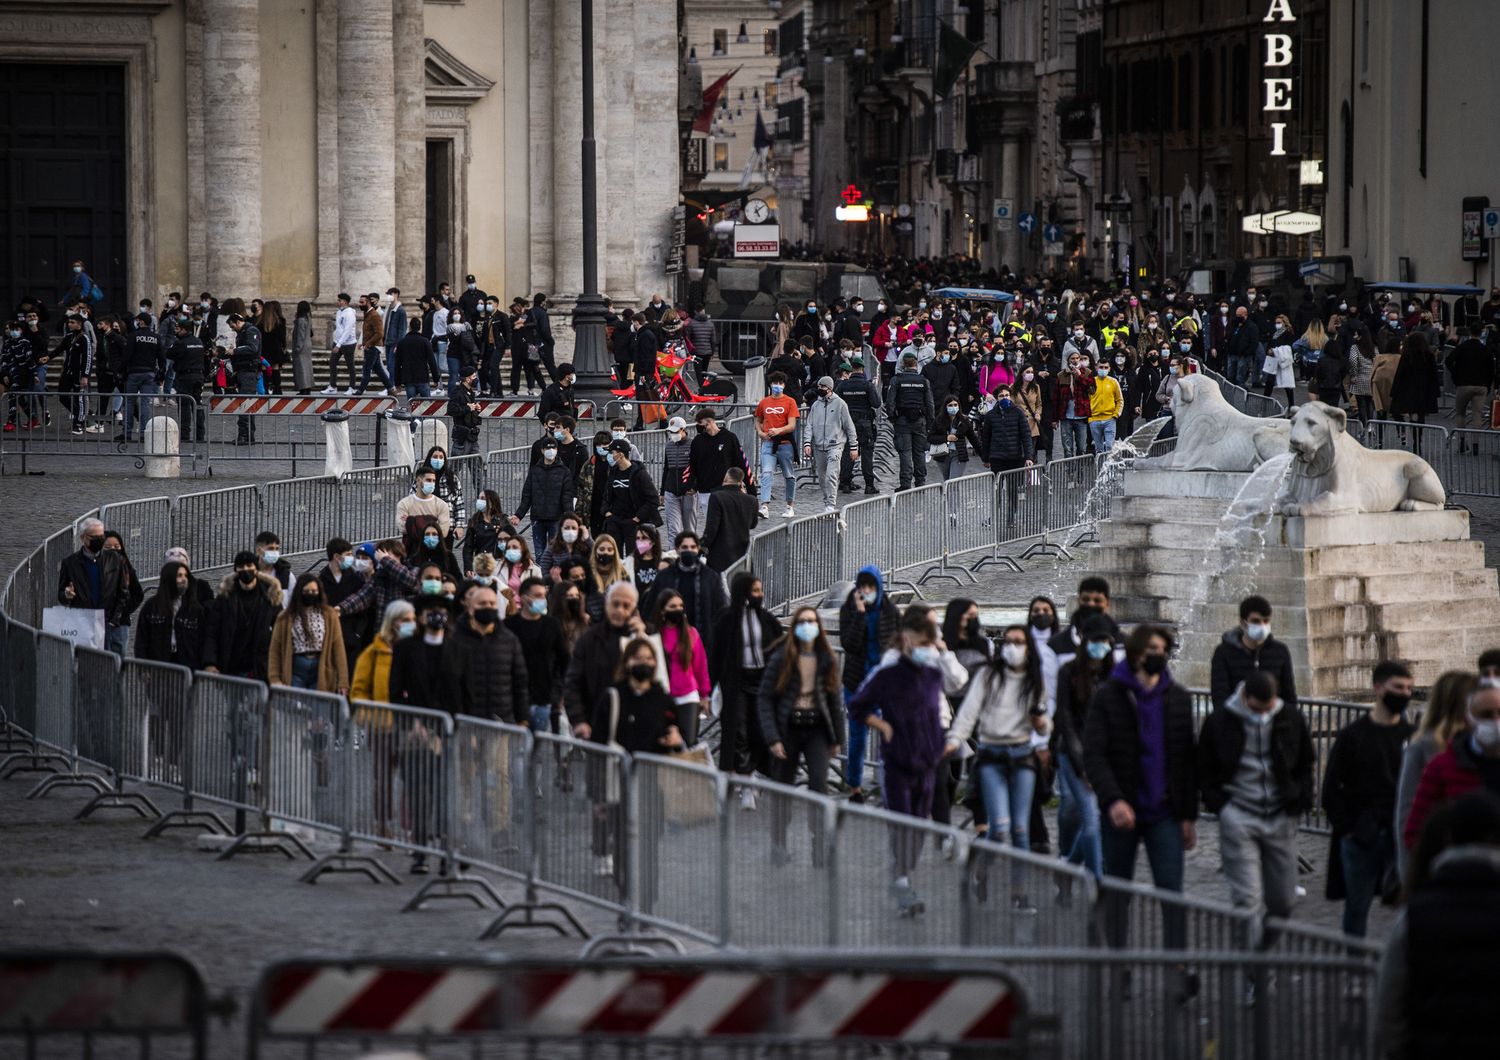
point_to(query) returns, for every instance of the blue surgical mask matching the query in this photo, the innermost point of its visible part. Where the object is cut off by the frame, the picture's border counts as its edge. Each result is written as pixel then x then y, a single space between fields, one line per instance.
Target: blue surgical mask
pixel 953 410
pixel 869 595
pixel 777 388
pixel 428 487
pixel 430 540
pixel 437 463
pixel 538 607
pixel 1098 649
pixel 807 632
pixel 618 436
pixel 272 556
pixel 513 555
pixel 813 310
pixel 480 504
pixel 346 563
pixel 1005 403
pixel 558 434
pixel 406 629
pixel 925 656
pixel 601 450
pixel 432 586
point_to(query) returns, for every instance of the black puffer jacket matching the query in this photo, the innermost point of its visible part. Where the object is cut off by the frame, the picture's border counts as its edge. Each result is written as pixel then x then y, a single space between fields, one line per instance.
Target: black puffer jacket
pixel 486 674
pixel 776 707
pixel 1233 662
pixel 1112 748
pixel 1006 435
pixel 1222 743
pixel 548 492
pixel 237 632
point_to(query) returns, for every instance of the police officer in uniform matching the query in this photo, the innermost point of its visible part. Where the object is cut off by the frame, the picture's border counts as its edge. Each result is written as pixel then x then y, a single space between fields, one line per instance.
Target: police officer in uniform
pixel 190 363
pixel 246 364
pixel 909 398
pixel 863 398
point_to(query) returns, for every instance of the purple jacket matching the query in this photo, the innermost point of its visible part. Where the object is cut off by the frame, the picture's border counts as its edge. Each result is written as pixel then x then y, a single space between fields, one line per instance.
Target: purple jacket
pixel 908 696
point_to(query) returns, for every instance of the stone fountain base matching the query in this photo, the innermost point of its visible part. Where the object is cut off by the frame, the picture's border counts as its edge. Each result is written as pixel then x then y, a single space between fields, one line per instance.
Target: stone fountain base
pixel 1347 591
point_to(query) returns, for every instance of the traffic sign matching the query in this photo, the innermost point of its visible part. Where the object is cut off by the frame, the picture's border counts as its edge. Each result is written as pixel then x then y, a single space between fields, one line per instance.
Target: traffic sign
pixel 1027 222
pixel 1005 209
pixel 1052 233
pixel 1492 224
pixel 1307 268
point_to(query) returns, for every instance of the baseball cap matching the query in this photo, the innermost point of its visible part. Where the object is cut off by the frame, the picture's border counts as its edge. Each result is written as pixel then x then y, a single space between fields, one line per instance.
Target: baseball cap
pixel 620 446
pixel 677 423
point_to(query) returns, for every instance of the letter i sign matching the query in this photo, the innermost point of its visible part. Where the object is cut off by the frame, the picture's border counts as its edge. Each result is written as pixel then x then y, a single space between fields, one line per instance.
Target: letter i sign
pixel 1279 54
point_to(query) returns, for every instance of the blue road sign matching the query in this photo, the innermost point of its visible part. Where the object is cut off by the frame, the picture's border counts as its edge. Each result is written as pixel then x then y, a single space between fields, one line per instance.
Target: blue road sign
pixel 1027 222
pixel 1052 233
pixel 1307 268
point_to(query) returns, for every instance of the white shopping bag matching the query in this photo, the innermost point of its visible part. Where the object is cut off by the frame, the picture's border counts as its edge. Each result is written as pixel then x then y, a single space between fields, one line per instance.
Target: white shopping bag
pixel 84 626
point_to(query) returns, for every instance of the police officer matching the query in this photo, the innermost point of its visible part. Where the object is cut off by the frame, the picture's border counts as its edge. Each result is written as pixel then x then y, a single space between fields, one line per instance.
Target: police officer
pixel 190 364
pixel 246 364
pixel 909 398
pixel 863 398
pixel 145 368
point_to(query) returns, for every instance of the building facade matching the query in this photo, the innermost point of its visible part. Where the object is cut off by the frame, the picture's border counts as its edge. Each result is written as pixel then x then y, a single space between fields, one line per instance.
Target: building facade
pixel 293 149
pixel 1414 109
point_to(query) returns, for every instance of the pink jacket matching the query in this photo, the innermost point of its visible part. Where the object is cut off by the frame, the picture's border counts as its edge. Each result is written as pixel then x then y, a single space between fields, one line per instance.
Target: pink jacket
pixel 992 376
pixel 694 679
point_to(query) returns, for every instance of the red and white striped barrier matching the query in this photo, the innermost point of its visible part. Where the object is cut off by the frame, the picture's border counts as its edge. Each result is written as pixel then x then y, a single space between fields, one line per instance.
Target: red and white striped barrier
pixel 647 1001
pixel 256 405
pixel 128 993
pixel 491 408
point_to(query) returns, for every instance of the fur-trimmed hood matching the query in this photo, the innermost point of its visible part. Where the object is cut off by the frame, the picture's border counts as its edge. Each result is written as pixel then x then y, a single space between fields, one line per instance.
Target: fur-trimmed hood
pixel 268 585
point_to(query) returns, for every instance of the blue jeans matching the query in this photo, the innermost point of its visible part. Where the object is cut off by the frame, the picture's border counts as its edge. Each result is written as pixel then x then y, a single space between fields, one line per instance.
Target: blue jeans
pixel 416 390
pixel 1364 868
pixel 1075 437
pixel 854 760
pixel 772 456
pixel 305 671
pixel 117 639
pixel 541 717
pixel 1081 843
pixel 541 533
pixel 1238 370
pixel 1164 852
pixel 1007 788
pixel 1103 433
pixel 455 374
pixel 373 365
pixel 390 361
pixel 137 383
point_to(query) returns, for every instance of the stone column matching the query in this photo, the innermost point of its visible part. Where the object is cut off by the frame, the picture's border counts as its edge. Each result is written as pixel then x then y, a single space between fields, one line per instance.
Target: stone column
pixel 411 147
pixel 1010 188
pixel 567 135
pixel 541 83
pixel 367 150
pixel 615 88
pixel 658 185
pixel 231 146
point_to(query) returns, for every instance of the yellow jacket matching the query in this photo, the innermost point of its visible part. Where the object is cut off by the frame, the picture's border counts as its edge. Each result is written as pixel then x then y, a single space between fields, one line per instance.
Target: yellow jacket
pixel 372 682
pixel 1107 402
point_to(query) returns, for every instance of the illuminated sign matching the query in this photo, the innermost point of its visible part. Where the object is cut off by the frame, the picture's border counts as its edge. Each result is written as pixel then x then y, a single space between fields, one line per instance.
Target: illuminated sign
pixel 1278 89
pixel 851 194
pixel 852 212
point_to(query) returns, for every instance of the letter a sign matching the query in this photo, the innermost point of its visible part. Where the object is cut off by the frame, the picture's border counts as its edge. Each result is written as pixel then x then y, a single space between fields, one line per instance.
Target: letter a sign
pixel 1278 63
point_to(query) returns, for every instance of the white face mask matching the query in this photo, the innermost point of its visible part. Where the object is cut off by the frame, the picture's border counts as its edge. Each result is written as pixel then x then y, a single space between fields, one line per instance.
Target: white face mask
pixel 1014 655
pixel 1486 733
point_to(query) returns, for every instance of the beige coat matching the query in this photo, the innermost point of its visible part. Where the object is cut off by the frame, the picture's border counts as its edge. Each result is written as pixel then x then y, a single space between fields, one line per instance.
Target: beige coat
pixel 333 664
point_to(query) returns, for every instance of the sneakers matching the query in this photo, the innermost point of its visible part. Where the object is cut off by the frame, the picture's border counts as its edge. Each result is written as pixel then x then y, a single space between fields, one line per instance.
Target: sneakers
pixel 765 511
pixel 351 392
pixel 907 902
pixel 330 389
pixel 827 508
pixel 604 865
pixel 747 798
pixel 419 864
pixel 790 513
pixel 93 428
pixel 79 430
pixel 871 491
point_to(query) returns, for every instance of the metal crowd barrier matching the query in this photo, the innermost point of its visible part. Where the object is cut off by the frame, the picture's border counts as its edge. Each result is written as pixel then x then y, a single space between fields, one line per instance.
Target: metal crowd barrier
pixel 85 1003
pixel 97 429
pixel 706 1007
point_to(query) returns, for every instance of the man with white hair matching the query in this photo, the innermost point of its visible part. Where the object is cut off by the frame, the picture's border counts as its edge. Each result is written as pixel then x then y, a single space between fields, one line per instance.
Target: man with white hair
pixel 597 653
pixel 95 578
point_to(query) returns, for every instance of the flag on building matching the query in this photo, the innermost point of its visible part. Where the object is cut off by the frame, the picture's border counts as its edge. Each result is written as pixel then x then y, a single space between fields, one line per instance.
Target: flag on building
pixel 953 55
pixel 705 119
pixel 760 154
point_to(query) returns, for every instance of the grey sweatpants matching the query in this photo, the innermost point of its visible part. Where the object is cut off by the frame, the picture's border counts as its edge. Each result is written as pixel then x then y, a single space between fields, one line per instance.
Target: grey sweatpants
pixel 826 463
pixel 1260 859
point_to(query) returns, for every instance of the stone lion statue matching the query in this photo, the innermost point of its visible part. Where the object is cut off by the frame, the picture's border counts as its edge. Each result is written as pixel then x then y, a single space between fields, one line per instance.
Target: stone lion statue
pixel 1213 435
pixel 1332 474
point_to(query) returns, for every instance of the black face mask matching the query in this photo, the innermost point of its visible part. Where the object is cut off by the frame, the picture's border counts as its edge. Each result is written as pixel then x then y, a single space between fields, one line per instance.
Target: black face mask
pixel 641 671
pixel 486 616
pixel 677 618
pixel 973 628
pixel 1041 621
pixel 94 544
pixel 1153 664
pixel 310 599
pixel 1395 702
pixel 246 577
pixel 755 602
pixel 689 560
pixel 575 606
pixel 435 619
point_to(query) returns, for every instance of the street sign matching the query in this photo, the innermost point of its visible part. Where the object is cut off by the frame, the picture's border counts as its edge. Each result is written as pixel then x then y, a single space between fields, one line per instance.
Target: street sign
pixel 757 241
pixel 1474 245
pixel 1051 247
pixel 1492 224
pixel 1005 209
pixel 1027 222
pixel 1052 234
pixel 1307 268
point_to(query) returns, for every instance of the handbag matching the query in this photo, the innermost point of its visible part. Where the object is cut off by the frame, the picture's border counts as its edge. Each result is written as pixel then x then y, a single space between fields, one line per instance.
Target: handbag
pixel 83 627
pixel 689 798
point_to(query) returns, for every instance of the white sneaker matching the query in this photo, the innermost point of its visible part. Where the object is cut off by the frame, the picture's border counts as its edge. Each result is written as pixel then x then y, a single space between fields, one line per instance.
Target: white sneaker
pixel 93 428
pixel 349 392
pixel 765 511
pixel 790 513
pixel 604 865
pixel 828 508
pixel 330 390
pixel 747 798
pixel 532 391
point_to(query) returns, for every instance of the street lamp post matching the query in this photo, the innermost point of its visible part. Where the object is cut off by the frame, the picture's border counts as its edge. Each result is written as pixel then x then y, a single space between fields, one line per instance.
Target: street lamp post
pixel 589 355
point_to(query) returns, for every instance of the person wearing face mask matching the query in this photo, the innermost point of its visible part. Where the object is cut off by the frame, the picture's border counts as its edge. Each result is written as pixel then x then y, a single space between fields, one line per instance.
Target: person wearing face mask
pixel 952 438
pixel 170 627
pixel 426 547
pixel 237 633
pixel 485 526
pixel 829 429
pixel 700 586
pixel 1255 769
pixel 340 579
pixel 685 656
pixel 485 663
pixel 1359 797
pixel 1138 754
pixel 570 542
pixel 422 673
pixel 1080 343
pixel 912 409
pixel 1078 820
pixel 548 494
pixel 678 502
pixel 1470 762
pixel 869 623
pixel 630 496
pixel 801 713
pixel 386 578
pixel 1006 441
pixel 1106 404
pixel 307 642
pixel 902 700
pixel 742 637
pixel 1248 648
pixel 514 566
pixel 1073 404
pixel 373 348
pixel 371 683
pixel 546 652
pixel 1444 717
pixel 472 298
pixel 423 503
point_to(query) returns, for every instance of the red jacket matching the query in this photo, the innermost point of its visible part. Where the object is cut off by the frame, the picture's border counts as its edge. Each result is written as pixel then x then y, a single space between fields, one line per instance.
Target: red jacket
pixel 1079 392
pixel 1451 775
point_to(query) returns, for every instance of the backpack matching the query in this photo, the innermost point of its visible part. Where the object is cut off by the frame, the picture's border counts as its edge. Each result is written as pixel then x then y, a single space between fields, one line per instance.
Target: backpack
pixel 95 294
